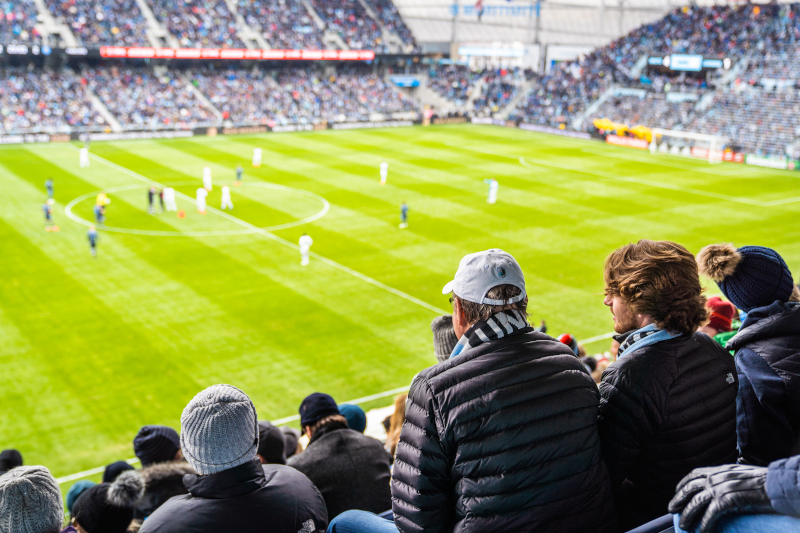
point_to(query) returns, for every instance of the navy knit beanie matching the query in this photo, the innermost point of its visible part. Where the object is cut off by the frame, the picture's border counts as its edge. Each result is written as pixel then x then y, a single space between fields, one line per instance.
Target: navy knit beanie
pixel 750 277
pixel 113 471
pixel 316 407
pixel 156 444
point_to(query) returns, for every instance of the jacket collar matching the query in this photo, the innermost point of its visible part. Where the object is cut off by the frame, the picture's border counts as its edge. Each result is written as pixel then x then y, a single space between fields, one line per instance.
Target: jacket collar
pixel 230 483
pixel 330 427
pixel 775 320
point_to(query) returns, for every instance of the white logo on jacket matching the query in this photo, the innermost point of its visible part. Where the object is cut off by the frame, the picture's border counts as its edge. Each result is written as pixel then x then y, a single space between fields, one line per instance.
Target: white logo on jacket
pixel 308 527
pixel 730 379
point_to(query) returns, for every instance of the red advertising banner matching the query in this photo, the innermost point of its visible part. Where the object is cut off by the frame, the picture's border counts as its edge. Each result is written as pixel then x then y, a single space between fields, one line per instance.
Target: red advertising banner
pixel 234 53
pixel 628 141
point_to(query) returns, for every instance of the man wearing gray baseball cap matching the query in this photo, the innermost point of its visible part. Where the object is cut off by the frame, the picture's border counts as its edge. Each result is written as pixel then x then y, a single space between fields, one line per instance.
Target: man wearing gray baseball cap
pixel 502 436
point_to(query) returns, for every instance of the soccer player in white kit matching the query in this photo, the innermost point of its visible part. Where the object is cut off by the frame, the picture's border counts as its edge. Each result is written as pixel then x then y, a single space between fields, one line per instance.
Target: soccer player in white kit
pixel 84 157
pixel 207 179
pixel 169 199
pixel 226 198
pixel 201 200
pixel 384 172
pixel 256 157
pixel 305 245
pixel 493 187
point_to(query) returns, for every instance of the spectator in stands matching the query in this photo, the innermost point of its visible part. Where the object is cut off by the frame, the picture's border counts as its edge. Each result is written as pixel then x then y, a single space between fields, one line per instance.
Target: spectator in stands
pixel 350 469
pixel 30 501
pixel 9 459
pixel 291 439
pixel 232 490
pixel 114 470
pixel 503 435
pixel 444 337
pixel 157 444
pixel 756 280
pixel 739 498
pixel 355 416
pixel 668 402
pixel 75 491
pixel 107 507
pixel 271 445
pixel 720 318
pixel 396 423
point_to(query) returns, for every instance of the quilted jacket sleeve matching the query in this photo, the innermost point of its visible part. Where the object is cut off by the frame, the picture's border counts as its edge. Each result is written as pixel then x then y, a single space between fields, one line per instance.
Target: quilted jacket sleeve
pixel 421 486
pixel 783 485
pixel 623 421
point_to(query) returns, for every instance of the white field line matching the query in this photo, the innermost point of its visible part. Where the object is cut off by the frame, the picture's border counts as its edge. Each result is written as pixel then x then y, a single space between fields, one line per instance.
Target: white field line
pixel 293 418
pixel 272 236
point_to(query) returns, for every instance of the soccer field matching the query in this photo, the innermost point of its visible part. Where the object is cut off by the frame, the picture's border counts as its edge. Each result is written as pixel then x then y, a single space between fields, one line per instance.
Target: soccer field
pixel 94 348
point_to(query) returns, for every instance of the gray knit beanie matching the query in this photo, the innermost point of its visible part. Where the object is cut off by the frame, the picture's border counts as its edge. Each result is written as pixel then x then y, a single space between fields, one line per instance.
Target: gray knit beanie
pixel 30 501
pixel 444 338
pixel 219 430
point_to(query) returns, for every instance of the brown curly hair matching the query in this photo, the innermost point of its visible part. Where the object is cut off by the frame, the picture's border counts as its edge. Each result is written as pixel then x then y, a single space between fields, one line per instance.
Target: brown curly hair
pixel 660 279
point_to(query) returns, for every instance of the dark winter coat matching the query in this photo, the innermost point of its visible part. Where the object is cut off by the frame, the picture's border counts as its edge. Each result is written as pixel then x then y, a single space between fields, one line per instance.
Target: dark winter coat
pixel 250 498
pixel 768 404
pixel 161 482
pixel 783 486
pixel 666 409
pixel 350 469
pixel 503 438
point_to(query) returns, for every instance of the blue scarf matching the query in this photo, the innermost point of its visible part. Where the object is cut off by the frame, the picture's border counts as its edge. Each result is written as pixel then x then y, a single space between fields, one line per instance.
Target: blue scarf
pixel 642 337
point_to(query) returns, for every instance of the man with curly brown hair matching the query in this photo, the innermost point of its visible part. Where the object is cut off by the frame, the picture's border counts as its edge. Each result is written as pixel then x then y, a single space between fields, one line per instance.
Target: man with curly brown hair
pixel 668 404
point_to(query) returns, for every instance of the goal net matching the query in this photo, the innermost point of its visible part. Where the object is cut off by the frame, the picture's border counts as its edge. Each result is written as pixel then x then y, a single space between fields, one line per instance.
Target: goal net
pixel 700 145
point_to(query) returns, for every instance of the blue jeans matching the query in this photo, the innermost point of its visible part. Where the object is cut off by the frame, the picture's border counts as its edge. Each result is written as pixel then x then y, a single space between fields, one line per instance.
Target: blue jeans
pixel 360 522
pixel 754 523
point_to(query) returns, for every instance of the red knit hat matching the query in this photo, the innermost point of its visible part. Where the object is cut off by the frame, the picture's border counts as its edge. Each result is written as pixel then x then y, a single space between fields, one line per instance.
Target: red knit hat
pixel 721 313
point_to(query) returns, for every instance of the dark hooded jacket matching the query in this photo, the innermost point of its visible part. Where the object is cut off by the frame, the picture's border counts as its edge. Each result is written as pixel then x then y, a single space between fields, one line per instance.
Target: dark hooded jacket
pixel 161 481
pixel 666 409
pixel 350 469
pixel 249 498
pixel 503 438
pixel 768 403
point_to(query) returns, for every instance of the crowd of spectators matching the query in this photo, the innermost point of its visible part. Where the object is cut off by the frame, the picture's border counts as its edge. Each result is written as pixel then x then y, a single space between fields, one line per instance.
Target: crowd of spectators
pixel 676 430
pixel 754 121
pixel 100 22
pixel 499 87
pixel 199 23
pixel 387 12
pixel 453 82
pixel 285 24
pixel 140 99
pixel 352 23
pixel 245 96
pixel 653 111
pixel 17 21
pixel 47 101
pixel 347 95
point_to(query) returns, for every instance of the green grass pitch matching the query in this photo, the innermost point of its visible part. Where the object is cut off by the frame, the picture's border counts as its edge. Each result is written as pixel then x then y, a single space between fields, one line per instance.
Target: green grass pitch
pixel 94 348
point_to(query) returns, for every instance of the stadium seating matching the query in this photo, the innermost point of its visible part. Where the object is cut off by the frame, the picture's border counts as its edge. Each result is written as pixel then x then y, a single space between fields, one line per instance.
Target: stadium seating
pixel 285 25
pixel 653 111
pixel 391 20
pixel 205 23
pixel 45 101
pixel 245 97
pixel 17 20
pixel 352 23
pixel 100 22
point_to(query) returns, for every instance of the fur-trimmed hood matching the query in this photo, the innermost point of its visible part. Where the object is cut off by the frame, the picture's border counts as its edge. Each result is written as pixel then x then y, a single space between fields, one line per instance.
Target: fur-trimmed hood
pixel 161 482
pixel 158 473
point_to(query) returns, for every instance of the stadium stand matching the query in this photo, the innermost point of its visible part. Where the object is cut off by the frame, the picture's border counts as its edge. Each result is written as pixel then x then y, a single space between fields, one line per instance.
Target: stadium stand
pixel 352 23
pixel 653 111
pixel 139 99
pixel 498 89
pixel 200 23
pixel 387 12
pixel 453 82
pixel 45 101
pixel 17 21
pixel 245 97
pixel 286 24
pixel 99 22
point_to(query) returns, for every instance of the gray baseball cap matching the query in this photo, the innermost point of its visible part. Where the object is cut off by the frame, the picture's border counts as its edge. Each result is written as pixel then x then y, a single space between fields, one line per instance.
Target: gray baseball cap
pixel 480 272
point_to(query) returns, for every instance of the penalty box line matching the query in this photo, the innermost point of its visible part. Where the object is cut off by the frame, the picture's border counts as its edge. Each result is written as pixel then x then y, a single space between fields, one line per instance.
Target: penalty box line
pixel 293 418
pixel 273 237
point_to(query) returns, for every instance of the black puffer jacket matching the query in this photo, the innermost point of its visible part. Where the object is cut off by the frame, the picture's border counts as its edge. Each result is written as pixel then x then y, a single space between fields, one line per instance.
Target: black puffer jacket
pixel 503 438
pixel 768 404
pixel 666 409
pixel 161 482
pixel 249 498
